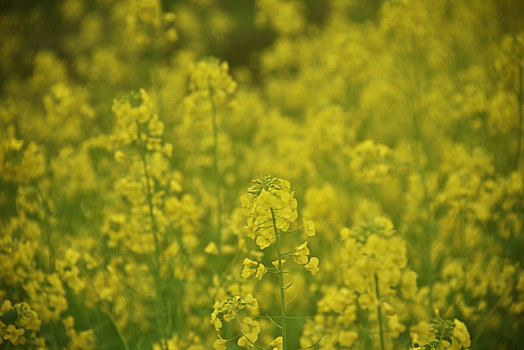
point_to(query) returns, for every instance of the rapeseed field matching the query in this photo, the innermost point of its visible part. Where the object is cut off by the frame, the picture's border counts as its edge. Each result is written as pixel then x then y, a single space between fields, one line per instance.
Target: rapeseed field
pixel 261 174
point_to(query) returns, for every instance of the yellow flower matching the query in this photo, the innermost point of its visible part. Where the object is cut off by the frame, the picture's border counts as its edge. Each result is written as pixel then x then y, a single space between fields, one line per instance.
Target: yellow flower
pixel 261 271
pixel 301 254
pixel 409 284
pixel 16 336
pixel 277 343
pixel 346 338
pixel 263 242
pixel 309 227
pixel 420 333
pixel 220 344
pixel 275 263
pixel 249 268
pixel 460 333
pixel 156 127
pixel 388 309
pixel 312 266
pixel 6 307
pixel 214 316
pixel 27 318
pixel 250 329
pixel 251 303
pixel 211 248
pixel 167 149
pixel 119 156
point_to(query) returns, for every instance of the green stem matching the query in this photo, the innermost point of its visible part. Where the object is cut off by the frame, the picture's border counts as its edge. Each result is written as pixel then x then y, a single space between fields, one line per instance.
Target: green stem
pixel 415 106
pixel 149 195
pixel 156 262
pixel 519 150
pixel 218 191
pixel 48 230
pixel 379 314
pixel 282 288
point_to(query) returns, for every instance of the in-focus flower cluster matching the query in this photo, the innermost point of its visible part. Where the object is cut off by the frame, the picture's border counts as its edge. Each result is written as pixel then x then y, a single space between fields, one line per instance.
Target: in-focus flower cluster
pixel 269 204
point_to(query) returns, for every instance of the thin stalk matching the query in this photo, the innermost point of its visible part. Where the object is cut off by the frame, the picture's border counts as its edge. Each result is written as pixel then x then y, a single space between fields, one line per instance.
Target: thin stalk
pixel 519 150
pixel 49 243
pixel 288 317
pixel 156 262
pixel 48 229
pixel 363 325
pixel 379 314
pixel 218 185
pixel 149 195
pixel 51 252
pixel 281 280
pixel 415 106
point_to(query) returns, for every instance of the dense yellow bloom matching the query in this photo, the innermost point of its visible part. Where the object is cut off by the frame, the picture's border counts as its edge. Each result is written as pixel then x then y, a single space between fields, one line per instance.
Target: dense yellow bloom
pixel 120 208
pixel 347 338
pixel 19 161
pixel 22 325
pixel 14 335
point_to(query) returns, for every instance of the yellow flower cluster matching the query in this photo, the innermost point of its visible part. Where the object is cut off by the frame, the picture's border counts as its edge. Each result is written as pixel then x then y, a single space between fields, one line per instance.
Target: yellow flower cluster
pixel 21 325
pixel 137 121
pixel 228 309
pixel 270 199
pixel 369 161
pixel 375 282
pixel 251 267
pixel 284 17
pixel 210 79
pixel 440 333
pixel 20 162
